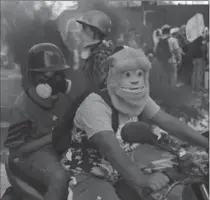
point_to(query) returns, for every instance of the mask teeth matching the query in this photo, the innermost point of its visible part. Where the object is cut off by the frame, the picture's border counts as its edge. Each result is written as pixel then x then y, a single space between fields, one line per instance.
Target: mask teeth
pixel 140 89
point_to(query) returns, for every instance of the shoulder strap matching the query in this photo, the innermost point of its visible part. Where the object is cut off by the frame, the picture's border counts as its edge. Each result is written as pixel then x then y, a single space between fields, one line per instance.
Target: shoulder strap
pixel 140 117
pixel 115 114
pixel 115 119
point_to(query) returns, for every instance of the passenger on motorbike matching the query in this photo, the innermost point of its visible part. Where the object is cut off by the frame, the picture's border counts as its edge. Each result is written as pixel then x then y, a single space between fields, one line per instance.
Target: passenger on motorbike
pixel 96 26
pixel 33 118
pixel 97 155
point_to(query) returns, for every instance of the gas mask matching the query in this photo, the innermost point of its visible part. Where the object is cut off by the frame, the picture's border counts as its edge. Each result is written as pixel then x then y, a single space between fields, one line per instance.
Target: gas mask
pixel 49 86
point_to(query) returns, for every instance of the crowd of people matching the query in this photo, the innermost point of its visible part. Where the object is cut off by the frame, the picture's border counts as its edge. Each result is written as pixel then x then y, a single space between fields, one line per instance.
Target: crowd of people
pixel 183 62
pixel 191 58
pixel 86 142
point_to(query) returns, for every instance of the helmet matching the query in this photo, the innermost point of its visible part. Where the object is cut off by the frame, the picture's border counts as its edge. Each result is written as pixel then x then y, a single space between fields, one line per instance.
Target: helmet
pixel 45 57
pixel 97 19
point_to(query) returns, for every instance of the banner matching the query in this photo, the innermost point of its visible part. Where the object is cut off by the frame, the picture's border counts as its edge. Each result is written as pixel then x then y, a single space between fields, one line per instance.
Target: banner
pixel 195 27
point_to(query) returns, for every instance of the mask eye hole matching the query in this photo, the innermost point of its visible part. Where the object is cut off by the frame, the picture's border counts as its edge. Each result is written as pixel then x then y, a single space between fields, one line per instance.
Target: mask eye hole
pixel 139 73
pixel 127 74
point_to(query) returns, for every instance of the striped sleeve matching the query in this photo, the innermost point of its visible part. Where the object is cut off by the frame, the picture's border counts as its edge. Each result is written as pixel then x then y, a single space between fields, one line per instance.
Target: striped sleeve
pixel 19 129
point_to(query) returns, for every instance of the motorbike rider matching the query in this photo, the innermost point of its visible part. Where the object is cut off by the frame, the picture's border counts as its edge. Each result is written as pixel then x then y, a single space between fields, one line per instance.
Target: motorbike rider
pixel 97 155
pixel 33 118
pixel 96 26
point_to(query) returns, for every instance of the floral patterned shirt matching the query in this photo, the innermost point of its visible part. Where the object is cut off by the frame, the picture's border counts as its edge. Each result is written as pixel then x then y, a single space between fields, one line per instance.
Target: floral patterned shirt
pixel 92 117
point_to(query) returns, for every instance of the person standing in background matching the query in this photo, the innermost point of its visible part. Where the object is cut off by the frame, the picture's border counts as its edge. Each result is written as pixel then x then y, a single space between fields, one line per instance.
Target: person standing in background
pixel 130 39
pixel 72 40
pixel 147 39
pixel 175 59
pixel 206 54
pixel 123 31
pixel 185 71
pixel 175 32
pixel 156 37
pixel 206 44
pixel 96 26
pixel 199 64
pixel 169 54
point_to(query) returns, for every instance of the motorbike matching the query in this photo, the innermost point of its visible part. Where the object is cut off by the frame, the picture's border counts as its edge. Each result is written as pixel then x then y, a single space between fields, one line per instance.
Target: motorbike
pixel 185 167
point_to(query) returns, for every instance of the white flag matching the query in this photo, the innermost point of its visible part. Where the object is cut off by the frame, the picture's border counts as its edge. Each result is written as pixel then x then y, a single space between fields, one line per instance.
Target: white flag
pixel 195 27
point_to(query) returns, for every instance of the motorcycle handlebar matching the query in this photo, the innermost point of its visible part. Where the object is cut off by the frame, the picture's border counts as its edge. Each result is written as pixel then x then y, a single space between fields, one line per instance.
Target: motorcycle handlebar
pixel 148 191
pixel 175 177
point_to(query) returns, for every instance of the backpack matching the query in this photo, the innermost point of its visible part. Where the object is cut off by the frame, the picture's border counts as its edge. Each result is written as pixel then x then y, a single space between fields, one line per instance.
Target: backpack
pixel 99 52
pixel 163 52
pixel 61 136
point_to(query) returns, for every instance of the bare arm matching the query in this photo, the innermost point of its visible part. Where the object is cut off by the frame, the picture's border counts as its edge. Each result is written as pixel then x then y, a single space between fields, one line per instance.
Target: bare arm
pixel 178 129
pixel 110 147
pixel 177 50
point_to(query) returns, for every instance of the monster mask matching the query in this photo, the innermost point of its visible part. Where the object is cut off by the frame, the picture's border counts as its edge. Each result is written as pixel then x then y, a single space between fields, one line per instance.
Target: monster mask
pixel 128 80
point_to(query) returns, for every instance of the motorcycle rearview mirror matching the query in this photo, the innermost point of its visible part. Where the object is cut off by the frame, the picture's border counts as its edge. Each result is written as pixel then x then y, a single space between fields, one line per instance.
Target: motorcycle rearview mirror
pixel 138 132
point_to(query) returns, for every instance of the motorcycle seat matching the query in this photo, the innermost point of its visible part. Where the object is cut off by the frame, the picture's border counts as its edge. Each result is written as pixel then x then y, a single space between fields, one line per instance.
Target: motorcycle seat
pixel 20 185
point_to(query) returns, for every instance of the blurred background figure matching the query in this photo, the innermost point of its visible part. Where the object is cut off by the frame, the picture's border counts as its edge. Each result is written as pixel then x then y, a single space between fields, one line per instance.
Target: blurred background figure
pixel 125 26
pixel 185 70
pixel 169 54
pixel 199 55
pixel 147 37
pixel 156 37
pixel 73 41
pixel 175 33
pixel 130 39
pixel 206 44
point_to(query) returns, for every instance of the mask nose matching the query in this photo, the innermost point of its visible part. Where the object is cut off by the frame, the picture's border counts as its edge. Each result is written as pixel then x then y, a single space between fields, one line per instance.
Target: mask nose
pixel 134 82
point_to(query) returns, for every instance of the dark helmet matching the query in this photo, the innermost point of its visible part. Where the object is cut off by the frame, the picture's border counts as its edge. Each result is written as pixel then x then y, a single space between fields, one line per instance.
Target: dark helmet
pixel 97 19
pixel 45 57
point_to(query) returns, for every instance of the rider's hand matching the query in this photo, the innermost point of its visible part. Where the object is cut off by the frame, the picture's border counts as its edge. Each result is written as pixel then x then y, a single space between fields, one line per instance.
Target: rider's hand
pixel 157 181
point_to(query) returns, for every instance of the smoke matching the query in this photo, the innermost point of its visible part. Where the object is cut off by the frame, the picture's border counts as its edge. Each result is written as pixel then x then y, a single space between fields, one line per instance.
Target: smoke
pixel 20 32
pixel 25 29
